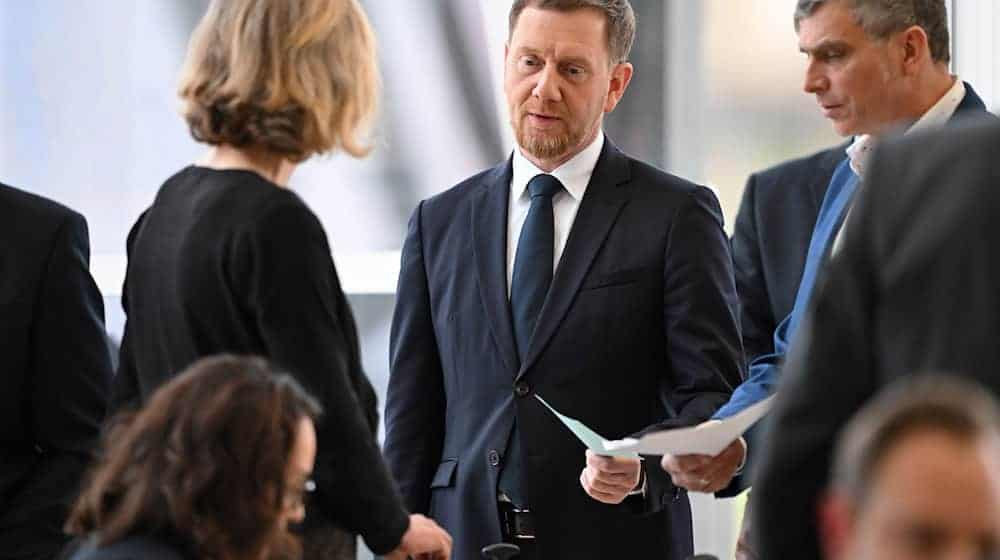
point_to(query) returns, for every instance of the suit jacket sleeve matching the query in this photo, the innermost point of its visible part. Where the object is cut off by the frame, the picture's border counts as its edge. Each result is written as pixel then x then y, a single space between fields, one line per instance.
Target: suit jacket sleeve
pixel 701 318
pixel 829 374
pixel 69 385
pixel 415 403
pixel 292 288
pixel 757 322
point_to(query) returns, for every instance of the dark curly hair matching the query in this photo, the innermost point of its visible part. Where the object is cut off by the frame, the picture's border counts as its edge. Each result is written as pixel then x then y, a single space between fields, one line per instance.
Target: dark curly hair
pixel 204 461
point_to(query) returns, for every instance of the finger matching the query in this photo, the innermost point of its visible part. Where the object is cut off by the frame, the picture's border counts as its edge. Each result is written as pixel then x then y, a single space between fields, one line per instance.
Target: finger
pixel 604 497
pixel 725 464
pixel 693 483
pixel 613 485
pixel 684 463
pixel 723 472
pixel 612 477
pixel 624 465
pixel 604 486
pixel 693 461
pixel 699 472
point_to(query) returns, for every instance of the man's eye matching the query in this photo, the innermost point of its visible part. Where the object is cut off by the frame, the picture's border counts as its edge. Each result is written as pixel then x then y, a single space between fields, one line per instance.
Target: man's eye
pixel 529 61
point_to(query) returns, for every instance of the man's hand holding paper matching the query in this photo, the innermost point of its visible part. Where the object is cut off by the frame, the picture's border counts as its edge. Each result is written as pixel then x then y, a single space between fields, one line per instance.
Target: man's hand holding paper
pixel 706 473
pixel 610 479
pixel 702 458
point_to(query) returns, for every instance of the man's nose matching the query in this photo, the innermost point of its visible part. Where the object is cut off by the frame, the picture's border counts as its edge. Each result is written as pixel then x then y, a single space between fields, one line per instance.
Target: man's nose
pixel 549 86
pixel 816 80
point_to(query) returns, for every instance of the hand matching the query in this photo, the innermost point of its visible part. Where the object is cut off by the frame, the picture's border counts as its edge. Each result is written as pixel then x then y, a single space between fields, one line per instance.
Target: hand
pixel 425 540
pixel 704 473
pixel 610 479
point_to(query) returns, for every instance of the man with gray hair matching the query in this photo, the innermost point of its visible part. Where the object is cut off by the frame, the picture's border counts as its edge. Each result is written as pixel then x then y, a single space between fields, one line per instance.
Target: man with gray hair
pixel 917 476
pixel 874 66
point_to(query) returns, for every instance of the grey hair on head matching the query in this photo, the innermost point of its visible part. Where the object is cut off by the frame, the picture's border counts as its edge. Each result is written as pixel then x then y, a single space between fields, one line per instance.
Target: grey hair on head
pixel 882 18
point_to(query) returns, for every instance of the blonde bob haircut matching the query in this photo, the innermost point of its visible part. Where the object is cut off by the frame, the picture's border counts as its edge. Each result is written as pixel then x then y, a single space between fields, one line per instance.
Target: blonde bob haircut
pixel 293 77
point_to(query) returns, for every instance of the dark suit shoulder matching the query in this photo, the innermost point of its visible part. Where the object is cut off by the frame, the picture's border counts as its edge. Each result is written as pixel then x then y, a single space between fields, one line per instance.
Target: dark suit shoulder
pixel 796 172
pixel 647 175
pixel 457 193
pixel 969 135
pixel 18 208
pixel 946 177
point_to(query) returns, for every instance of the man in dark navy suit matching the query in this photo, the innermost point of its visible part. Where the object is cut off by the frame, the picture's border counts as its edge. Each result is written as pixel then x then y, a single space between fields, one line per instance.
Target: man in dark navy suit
pixel 55 370
pixel 572 272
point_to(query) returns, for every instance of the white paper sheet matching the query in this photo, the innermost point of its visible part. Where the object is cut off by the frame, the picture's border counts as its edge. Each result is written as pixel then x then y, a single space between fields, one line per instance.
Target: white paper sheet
pixel 707 438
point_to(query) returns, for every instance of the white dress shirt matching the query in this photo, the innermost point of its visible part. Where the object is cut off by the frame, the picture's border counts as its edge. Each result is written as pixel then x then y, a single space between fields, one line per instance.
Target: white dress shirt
pixel 574 176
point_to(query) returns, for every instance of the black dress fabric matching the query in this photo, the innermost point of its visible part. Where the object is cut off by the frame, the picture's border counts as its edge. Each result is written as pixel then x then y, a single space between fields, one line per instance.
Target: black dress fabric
pixel 227 261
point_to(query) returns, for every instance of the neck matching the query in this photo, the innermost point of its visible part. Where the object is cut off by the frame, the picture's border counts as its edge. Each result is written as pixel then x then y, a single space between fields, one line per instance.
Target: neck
pixel 929 88
pixel 269 165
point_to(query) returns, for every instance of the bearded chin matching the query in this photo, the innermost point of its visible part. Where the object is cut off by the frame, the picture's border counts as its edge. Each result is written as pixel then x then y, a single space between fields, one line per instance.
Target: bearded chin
pixel 545 146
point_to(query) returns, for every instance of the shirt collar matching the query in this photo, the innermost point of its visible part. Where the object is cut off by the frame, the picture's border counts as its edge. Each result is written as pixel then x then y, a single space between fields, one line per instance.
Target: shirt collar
pixel 861 149
pixel 574 174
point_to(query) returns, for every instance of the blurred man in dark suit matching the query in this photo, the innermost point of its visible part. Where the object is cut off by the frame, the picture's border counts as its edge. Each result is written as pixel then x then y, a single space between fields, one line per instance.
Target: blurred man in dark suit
pixel 913 287
pixel 55 370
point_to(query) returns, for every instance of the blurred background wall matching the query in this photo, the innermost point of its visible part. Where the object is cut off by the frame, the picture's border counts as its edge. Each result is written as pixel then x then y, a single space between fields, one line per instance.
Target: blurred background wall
pixel 88 116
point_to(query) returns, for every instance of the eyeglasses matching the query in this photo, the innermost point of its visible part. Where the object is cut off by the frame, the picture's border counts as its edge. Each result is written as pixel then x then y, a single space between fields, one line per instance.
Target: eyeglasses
pixel 295 496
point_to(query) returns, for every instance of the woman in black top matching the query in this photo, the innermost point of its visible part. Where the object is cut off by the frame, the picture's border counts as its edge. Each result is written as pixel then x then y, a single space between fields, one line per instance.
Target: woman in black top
pixel 227 259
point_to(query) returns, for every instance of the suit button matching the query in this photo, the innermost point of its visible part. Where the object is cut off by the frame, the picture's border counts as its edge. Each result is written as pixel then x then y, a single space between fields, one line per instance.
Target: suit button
pixel 493 457
pixel 522 389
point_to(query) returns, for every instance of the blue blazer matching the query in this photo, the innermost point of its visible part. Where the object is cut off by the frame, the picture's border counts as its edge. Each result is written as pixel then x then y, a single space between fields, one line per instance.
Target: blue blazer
pixel 639 332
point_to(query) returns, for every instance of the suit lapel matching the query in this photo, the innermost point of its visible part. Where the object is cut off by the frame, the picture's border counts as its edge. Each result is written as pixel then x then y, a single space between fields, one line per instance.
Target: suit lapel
pixel 970 105
pixel 489 237
pixel 598 211
pixel 821 178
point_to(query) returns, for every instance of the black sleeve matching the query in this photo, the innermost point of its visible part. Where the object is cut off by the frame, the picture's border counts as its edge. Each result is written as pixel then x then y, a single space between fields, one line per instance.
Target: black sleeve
pixel 69 383
pixel 415 403
pixel 828 375
pixel 700 313
pixel 757 323
pixel 292 289
pixel 702 326
pixel 125 391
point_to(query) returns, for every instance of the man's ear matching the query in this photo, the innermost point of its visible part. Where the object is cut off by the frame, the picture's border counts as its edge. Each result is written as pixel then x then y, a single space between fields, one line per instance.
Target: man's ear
pixel 621 75
pixel 915 49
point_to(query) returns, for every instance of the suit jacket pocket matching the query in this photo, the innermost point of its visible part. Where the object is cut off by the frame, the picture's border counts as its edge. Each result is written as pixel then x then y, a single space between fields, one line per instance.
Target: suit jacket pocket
pixel 620 277
pixel 445 475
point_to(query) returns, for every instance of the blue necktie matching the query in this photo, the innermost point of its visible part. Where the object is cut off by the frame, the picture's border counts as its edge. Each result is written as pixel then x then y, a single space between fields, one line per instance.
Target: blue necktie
pixel 533 264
